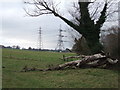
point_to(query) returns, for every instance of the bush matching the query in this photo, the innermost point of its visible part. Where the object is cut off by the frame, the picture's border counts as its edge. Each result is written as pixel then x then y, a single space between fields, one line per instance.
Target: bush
pixel 81 47
pixel 110 42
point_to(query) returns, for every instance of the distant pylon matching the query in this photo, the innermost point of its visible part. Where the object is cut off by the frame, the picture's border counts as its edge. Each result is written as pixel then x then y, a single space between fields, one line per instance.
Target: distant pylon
pixel 60 44
pixel 40 45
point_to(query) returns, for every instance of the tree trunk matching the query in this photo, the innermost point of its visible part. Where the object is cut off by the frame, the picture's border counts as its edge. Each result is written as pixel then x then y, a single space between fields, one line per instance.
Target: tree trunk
pixel 87 46
pixel 89 29
pixel 94 43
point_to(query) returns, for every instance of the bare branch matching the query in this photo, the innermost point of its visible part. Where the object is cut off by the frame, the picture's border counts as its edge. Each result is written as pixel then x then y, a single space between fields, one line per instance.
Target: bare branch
pixel 115 20
pixel 112 12
pixel 36 14
pixel 75 13
pixel 42 7
pixel 95 12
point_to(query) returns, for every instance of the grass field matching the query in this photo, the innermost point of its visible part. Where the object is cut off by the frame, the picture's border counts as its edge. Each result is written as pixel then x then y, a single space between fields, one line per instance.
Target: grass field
pixel 15 60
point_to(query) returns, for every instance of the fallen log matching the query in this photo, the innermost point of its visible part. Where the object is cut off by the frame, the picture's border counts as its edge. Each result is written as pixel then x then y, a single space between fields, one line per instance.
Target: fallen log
pixel 72 57
pixel 97 61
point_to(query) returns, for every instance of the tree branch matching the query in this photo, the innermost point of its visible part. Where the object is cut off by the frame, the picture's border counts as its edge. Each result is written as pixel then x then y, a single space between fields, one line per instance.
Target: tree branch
pixel 45 8
pixel 102 18
pixel 85 16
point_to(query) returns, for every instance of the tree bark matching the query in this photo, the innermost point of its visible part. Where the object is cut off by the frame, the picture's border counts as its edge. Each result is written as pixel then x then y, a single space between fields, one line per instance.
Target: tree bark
pixel 94 43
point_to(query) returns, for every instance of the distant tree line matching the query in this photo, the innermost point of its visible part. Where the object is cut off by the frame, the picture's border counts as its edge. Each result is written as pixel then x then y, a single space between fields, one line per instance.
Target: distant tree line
pixel 10 47
pixel 33 49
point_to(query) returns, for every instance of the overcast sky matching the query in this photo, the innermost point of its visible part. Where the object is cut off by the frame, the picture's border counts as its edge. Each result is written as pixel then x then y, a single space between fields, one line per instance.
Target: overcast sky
pixel 20 29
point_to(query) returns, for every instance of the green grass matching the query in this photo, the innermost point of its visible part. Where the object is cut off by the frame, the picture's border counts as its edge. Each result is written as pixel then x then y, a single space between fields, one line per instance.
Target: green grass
pixel 79 78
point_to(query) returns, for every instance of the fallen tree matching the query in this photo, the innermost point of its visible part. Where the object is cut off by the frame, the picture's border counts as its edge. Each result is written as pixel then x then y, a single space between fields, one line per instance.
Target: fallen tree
pixel 100 60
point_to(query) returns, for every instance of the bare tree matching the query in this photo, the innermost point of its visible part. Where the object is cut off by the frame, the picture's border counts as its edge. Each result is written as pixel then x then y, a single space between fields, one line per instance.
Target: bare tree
pixel 86 22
